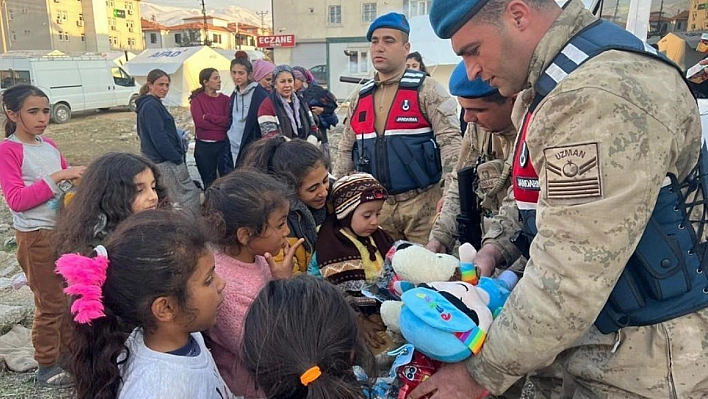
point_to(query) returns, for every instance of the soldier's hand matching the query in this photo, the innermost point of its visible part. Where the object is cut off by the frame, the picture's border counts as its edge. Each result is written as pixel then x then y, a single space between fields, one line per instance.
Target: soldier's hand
pixel 451 381
pixel 436 246
pixel 487 259
pixel 441 202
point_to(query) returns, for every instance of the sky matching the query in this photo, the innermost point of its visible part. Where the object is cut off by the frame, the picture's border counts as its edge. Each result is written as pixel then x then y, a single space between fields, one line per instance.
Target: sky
pixel 255 5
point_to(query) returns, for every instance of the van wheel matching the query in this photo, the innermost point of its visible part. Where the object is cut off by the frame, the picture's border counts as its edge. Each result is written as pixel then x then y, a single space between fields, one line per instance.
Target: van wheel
pixel 61 113
pixel 131 104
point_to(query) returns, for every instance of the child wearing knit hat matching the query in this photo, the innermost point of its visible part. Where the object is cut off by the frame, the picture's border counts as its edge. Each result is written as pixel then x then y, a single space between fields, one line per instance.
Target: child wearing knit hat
pixel 351 247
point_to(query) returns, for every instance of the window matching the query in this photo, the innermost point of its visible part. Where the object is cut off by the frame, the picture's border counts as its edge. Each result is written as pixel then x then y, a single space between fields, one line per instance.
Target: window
pixel 334 17
pixel 153 38
pixel 131 41
pixel 368 12
pixel 358 61
pixel 178 38
pixel 81 17
pixel 66 36
pixel 27 32
pixel 14 36
pixel 419 7
pixel 83 37
pixel 61 36
pixel 11 78
pixel 10 14
pixel 216 38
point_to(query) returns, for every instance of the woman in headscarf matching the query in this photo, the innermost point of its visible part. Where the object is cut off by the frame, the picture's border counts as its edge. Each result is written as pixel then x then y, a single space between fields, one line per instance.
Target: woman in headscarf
pixel 284 112
pixel 263 73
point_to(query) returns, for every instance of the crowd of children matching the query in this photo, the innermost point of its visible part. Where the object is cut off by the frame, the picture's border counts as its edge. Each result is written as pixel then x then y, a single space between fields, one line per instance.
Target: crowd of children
pixel 144 272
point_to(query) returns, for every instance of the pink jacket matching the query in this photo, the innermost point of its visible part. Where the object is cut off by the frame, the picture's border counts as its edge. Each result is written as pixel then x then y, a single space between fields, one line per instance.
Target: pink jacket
pixel 243 282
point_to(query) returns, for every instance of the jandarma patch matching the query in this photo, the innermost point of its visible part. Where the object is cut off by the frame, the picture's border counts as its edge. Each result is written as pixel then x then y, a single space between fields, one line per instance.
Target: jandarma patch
pixel 573 173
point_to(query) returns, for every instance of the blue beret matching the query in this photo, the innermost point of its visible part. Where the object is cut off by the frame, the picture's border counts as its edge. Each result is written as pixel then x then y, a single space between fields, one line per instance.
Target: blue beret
pixel 392 20
pixel 461 86
pixel 448 16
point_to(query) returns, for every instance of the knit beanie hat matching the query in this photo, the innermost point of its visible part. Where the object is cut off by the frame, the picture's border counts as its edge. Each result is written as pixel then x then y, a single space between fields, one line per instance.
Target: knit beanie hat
pixel 353 190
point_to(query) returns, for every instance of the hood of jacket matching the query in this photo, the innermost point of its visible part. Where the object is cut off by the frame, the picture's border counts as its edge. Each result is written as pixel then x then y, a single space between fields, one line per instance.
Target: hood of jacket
pixel 146 100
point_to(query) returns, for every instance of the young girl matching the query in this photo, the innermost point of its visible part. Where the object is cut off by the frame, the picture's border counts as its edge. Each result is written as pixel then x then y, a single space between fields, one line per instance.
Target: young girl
pixel 33 176
pixel 304 168
pixel 139 304
pixel 296 348
pixel 247 97
pixel 115 186
pixel 351 247
pixel 210 112
pixel 284 112
pixel 249 210
pixel 160 142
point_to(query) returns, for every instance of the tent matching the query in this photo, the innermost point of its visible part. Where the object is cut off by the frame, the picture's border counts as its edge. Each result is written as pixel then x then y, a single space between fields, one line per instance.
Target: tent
pixel 680 47
pixel 437 53
pixel 183 64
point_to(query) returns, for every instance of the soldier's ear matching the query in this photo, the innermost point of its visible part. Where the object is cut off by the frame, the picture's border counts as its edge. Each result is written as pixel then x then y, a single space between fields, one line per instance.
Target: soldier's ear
pixel 517 14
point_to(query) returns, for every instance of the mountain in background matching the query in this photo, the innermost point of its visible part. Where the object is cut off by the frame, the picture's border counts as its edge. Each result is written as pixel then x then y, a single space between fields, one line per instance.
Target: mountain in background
pixel 169 15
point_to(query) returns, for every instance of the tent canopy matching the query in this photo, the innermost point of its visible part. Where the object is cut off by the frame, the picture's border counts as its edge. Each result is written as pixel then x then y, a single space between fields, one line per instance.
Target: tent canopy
pixel 167 59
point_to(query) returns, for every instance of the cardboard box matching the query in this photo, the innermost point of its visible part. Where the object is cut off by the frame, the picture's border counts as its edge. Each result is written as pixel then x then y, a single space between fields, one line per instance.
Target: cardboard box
pixel 697 73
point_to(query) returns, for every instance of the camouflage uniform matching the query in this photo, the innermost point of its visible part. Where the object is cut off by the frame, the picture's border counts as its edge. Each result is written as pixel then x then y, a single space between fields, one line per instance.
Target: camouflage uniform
pixel 646 124
pixel 412 217
pixel 494 148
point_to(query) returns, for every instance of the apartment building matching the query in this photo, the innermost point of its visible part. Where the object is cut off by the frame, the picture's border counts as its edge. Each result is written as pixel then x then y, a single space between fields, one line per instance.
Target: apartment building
pixel 220 34
pixel 71 25
pixel 332 33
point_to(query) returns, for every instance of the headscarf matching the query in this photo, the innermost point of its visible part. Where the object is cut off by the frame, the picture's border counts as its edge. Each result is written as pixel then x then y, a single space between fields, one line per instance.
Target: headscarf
pixel 261 69
pixel 304 75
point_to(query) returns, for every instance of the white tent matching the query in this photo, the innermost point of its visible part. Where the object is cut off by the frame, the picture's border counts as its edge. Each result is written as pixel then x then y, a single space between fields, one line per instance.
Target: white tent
pixel 183 64
pixel 437 53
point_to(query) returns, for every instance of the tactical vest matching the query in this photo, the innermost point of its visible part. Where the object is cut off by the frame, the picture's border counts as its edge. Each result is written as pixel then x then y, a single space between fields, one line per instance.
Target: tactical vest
pixel 406 156
pixel 664 278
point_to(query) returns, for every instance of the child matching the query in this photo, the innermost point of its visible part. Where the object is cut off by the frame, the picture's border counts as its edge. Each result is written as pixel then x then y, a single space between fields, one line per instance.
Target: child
pixel 211 115
pixel 33 176
pixel 304 168
pixel 115 186
pixel 245 100
pixel 296 348
pixel 351 247
pixel 139 305
pixel 249 210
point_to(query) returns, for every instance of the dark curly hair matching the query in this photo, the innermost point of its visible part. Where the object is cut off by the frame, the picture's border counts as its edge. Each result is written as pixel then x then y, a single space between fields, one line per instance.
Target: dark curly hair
pixel 103 200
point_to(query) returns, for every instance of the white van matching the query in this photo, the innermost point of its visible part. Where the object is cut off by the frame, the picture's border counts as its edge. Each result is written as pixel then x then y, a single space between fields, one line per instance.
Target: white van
pixel 72 83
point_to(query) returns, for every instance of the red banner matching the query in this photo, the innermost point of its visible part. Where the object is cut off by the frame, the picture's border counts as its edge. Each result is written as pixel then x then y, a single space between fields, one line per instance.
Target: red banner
pixel 276 41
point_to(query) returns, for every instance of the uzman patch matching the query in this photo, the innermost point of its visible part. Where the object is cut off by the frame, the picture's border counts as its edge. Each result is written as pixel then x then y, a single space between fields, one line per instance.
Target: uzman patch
pixel 573 173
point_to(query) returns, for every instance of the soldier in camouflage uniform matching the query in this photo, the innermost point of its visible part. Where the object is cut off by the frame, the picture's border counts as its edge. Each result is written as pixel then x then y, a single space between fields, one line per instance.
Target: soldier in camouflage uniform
pixel 627 124
pixel 401 116
pixel 487 143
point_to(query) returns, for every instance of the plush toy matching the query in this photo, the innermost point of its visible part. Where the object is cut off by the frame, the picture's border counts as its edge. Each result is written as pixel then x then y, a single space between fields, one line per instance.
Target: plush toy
pixel 445 320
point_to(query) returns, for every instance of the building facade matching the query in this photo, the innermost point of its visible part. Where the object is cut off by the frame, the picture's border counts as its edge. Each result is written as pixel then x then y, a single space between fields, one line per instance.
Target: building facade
pixel 220 34
pixel 71 25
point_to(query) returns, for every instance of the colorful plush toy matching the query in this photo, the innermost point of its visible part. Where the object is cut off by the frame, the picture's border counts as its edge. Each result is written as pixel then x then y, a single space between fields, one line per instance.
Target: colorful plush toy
pixel 445 320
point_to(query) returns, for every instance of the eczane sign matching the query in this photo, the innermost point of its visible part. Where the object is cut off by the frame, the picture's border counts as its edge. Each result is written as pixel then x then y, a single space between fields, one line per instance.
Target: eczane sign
pixel 276 41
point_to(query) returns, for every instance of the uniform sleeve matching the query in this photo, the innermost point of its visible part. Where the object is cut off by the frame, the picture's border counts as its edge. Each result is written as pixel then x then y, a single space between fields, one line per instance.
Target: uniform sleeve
pixel 20 197
pixel 345 164
pixel 503 227
pixel 441 109
pixel 581 247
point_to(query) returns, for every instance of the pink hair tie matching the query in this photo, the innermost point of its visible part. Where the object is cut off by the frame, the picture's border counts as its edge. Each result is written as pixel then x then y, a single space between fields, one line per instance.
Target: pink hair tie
pixel 85 277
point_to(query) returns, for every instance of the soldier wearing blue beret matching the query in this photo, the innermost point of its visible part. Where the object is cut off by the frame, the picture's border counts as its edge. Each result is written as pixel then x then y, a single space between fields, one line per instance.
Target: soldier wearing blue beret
pixel 609 135
pixel 487 144
pixel 403 129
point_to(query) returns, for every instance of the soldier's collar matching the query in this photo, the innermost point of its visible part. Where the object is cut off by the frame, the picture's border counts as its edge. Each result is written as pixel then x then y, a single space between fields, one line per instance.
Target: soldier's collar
pixel 389 81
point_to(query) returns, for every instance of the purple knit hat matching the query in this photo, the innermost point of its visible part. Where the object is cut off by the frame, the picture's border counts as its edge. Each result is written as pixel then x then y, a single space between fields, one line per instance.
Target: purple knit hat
pixel 261 69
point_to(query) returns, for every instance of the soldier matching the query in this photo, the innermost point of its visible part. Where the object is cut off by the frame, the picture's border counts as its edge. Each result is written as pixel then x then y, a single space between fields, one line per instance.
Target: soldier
pixel 487 143
pixel 606 176
pixel 403 129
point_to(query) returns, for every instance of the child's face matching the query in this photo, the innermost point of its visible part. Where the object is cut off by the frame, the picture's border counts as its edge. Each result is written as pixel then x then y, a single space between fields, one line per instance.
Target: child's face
pixel 205 293
pixel 275 235
pixel 314 188
pixel 146 196
pixel 365 219
pixel 33 116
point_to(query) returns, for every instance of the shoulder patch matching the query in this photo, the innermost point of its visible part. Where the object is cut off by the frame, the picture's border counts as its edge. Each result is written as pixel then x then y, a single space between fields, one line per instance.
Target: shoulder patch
pixel 573 173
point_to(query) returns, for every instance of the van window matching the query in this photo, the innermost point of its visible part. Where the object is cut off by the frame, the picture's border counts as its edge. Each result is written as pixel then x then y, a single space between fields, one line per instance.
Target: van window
pixel 121 78
pixel 10 78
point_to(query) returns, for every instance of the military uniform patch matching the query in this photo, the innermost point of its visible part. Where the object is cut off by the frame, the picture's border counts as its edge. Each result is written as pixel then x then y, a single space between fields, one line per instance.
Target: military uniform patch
pixel 573 173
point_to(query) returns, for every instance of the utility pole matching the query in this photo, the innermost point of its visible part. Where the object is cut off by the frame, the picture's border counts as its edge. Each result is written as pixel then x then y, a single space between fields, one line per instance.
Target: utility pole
pixel 262 14
pixel 2 29
pixel 206 36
